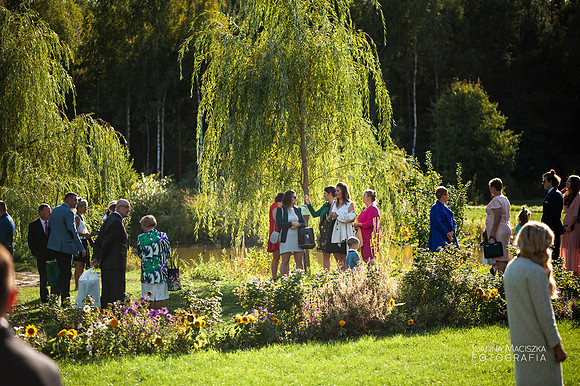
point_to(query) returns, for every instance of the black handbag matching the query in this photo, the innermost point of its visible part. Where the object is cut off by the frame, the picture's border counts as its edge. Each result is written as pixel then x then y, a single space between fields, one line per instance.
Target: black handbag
pixel 492 250
pixel 306 238
pixel 173 280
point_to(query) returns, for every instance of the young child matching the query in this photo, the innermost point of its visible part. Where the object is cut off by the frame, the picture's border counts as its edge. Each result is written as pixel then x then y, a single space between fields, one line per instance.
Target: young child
pixel 352 257
pixel 523 218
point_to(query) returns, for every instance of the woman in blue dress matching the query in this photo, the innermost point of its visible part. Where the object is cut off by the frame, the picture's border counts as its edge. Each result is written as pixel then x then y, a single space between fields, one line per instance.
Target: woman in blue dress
pixel 443 225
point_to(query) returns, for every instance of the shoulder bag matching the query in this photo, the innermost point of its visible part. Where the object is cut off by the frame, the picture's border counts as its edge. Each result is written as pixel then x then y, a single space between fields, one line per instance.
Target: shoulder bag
pixel 306 238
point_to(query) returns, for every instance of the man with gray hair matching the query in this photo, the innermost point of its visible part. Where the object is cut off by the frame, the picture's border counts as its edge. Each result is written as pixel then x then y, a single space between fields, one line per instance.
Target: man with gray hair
pixel 64 241
pixel 19 363
pixel 111 254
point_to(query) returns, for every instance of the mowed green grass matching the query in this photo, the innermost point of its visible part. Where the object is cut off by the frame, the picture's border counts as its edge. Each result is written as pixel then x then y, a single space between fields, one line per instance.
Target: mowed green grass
pixel 447 356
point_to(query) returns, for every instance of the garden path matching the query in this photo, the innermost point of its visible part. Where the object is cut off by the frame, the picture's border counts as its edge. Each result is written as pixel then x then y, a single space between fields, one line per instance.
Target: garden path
pixel 27 279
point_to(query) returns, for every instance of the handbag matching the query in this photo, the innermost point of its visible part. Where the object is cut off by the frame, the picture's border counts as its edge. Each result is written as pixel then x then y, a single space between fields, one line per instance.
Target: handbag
pixel 358 235
pixel 275 237
pixel 173 280
pixel 89 285
pixel 306 238
pixel 492 250
pixel 52 272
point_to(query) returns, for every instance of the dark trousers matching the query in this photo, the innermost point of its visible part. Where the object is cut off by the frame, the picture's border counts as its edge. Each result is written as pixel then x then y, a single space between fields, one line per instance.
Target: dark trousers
pixel 113 281
pixel 556 250
pixel 41 265
pixel 64 262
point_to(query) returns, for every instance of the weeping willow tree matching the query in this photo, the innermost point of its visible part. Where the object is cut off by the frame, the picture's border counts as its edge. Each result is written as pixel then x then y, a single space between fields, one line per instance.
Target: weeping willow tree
pixel 292 97
pixel 42 153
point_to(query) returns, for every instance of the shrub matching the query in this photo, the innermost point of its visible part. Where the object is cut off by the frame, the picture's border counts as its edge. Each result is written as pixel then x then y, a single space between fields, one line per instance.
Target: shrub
pixel 258 328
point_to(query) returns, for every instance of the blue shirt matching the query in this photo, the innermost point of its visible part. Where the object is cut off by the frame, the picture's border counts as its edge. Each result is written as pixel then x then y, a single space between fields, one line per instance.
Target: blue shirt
pixel 352 258
pixel 7 229
pixel 442 222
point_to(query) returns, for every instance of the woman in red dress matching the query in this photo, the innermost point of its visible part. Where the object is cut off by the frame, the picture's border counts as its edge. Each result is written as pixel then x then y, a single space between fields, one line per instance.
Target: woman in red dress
pixel 274 248
pixel 369 224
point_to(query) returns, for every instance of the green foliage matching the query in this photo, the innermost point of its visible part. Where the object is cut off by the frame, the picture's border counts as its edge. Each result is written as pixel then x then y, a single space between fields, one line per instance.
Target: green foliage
pixel 470 130
pixel 445 288
pixel 257 329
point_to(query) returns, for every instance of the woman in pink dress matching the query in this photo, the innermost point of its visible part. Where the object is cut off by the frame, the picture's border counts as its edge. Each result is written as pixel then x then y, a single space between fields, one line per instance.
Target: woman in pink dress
pixel 369 224
pixel 569 247
pixel 274 248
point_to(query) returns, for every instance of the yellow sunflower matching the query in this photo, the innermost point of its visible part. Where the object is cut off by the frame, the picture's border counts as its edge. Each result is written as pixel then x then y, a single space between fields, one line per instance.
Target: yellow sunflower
pixel 484 297
pixel 275 321
pixel 31 331
pixel 245 319
pixel 190 318
pixel 114 323
pixel 342 322
pixel 157 341
pixel 62 333
pixel 479 293
pixel 410 322
pixel 202 323
pixel 72 333
pixel 493 293
pixel 391 303
pixel 238 319
pixel 197 323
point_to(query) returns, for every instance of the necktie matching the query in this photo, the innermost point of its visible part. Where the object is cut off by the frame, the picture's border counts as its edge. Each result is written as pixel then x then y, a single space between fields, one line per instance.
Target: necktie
pixel 46 228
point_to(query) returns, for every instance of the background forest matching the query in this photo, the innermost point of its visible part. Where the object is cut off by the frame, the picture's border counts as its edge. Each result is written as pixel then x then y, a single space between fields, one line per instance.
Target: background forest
pixel 490 84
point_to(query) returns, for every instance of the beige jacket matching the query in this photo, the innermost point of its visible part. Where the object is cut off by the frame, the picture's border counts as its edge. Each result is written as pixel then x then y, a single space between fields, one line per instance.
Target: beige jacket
pixel 344 225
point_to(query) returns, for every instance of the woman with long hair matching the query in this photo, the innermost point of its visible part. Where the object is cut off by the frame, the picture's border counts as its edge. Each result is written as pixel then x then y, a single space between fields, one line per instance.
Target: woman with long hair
pixel 274 248
pixel 289 219
pixel 342 213
pixel 529 288
pixel 571 237
pixel 325 226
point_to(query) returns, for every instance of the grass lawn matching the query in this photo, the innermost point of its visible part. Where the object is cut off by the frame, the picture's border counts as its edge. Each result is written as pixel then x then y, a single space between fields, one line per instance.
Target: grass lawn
pixel 443 357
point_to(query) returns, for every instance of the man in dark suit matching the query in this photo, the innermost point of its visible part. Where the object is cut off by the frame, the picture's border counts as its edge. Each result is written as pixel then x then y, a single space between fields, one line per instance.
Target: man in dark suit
pixel 37 240
pixel 7 228
pixel 64 241
pixel 19 363
pixel 111 254
pixel 553 205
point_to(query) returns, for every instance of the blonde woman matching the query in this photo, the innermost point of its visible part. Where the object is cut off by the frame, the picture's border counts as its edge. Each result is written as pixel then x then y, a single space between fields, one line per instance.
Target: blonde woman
pixel 529 288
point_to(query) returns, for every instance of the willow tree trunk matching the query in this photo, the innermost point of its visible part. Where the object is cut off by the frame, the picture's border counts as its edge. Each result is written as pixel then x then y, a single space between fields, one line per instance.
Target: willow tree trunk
pixel 303 153
pixel 415 101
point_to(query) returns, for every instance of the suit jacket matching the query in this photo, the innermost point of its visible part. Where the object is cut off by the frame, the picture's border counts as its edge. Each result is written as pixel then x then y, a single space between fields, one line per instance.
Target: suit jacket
pixel 552 213
pixel 63 236
pixel 7 230
pixel 22 365
pixel 37 240
pixel 111 245
pixel 284 224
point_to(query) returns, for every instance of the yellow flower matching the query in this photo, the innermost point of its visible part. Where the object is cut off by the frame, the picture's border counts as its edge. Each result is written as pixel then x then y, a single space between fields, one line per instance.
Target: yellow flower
pixel 245 319
pixel 238 319
pixel 391 303
pixel 479 292
pixel 190 318
pixel 62 333
pixel 202 322
pixel 493 293
pixel 197 323
pixel 251 319
pixel 114 323
pixel 157 341
pixel 31 331
pixel 72 333
pixel 410 322
pixel 484 297
pixel 342 322
pixel 275 321
pixel 404 330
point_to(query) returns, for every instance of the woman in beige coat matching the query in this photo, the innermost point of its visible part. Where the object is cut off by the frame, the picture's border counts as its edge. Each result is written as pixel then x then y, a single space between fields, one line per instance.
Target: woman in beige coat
pixel 529 285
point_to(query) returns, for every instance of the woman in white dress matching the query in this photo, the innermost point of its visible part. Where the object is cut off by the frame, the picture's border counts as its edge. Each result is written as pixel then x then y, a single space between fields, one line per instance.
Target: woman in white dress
pixel 343 214
pixel 497 225
pixel 529 285
pixel 289 219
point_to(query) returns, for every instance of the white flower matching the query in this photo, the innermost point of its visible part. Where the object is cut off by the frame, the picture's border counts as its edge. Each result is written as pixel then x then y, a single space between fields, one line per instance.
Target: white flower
pixel 99 325
pixel 87 308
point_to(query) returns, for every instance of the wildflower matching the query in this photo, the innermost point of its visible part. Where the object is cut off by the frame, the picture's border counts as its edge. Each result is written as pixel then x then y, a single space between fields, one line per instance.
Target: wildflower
pixel 99 325
pixel 114 323
pixel 89 347
pixel 484 297
pixel 157 341
pixel 153 313
pixel 238 319
pixel 492 293
pixel 318 324
pixel 87 309
pixel 62 333
pixel 245 319
pixel 197 323
pixel 31 331
pixel 391 303
pixel 410 322
pixel 190 318
pixel 163 310
pixel 342 322
pixel 275 321
pixel 72 333
pixel 479 293
pixel 251 319
pixel 169 317
pixel 202 323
